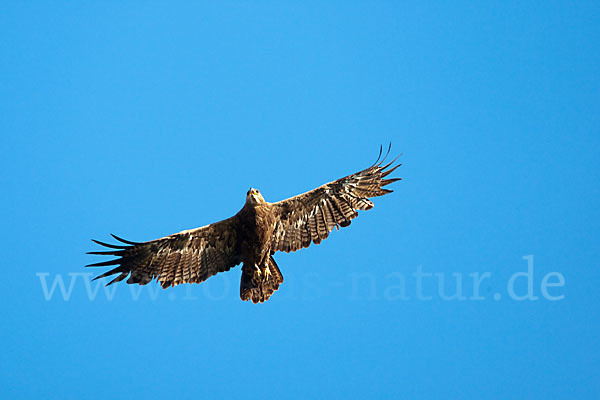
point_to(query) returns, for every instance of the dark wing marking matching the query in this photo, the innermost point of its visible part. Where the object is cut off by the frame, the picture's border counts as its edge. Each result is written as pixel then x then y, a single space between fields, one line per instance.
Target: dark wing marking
pixel 189 256
pixel 310 217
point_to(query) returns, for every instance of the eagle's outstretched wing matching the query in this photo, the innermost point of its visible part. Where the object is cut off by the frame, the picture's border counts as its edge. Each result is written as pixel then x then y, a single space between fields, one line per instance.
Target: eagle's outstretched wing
pixel 189 256
pixel 310 217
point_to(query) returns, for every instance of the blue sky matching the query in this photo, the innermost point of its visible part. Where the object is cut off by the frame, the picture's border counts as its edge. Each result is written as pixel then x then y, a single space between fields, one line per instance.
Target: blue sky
pixel 146 118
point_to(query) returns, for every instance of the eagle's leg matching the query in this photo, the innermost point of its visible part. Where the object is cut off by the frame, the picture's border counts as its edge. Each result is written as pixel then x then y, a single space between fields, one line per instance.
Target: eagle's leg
pixel 264 273
pixel 267 273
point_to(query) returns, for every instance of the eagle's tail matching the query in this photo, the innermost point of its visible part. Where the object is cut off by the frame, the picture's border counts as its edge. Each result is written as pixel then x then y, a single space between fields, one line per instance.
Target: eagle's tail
pixel 259 283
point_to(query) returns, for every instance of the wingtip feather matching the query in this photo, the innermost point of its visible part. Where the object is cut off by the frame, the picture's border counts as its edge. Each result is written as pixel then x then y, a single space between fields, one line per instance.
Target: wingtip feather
pixel 105 263
pixel 110 246
pixel 124 240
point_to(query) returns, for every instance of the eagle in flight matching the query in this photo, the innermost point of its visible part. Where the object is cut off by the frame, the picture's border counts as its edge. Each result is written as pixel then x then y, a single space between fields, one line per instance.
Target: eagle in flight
pixel 250 237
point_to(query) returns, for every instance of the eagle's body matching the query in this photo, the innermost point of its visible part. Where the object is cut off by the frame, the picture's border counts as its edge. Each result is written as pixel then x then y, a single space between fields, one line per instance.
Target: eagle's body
pixel 260 274
pixel 250 237
pixel 256 225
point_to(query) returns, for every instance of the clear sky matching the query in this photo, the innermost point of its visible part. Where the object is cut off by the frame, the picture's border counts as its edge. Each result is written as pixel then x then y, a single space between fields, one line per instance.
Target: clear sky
pixel 146 118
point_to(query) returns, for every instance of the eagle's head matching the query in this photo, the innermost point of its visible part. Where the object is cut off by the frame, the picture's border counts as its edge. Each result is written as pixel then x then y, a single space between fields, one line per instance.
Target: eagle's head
pixel 254 197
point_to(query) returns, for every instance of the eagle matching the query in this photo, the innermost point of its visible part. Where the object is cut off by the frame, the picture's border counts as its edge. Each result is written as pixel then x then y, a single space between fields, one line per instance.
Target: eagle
pixel 251 237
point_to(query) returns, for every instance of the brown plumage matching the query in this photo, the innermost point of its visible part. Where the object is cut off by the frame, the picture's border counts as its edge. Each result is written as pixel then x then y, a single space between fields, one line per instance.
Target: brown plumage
pixel 250 237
